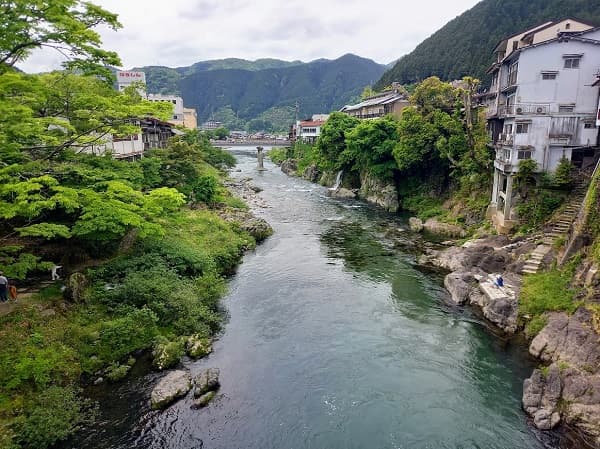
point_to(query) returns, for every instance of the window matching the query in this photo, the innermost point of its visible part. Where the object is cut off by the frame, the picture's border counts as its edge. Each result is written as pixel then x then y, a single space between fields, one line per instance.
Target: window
pixel 548 75
pixel 572 63
pixel 589 125
pixel 567 26
pixel 566 108
pixel 515 45
pixel 524 154
pixel 508 129
pixel 522 128
pixel 512 73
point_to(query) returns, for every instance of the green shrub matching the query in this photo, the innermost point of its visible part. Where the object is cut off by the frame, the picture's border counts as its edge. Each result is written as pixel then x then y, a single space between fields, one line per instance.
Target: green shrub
pixel 563 176
pixel 51 416
pixel 277 155
pixel 424 206
pixel 205 189
pixel 121 336
pixel 116 372
pixel 539 206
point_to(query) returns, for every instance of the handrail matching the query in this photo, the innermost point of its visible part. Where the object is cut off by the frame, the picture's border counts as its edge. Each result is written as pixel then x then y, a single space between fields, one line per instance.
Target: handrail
pixel 582 216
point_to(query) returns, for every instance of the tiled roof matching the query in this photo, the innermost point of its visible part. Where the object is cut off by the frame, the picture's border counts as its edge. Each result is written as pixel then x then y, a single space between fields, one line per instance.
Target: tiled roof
pixel 374 101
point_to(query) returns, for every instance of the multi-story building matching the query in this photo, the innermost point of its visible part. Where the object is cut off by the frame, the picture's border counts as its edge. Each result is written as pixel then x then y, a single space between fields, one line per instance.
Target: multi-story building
pixel 308 130
pixel 541 105
pixel 379 105
pixel 127 78
pixel 177 102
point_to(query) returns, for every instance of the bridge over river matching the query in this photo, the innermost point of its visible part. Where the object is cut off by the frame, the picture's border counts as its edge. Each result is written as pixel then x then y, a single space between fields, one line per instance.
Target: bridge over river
pixel 251 143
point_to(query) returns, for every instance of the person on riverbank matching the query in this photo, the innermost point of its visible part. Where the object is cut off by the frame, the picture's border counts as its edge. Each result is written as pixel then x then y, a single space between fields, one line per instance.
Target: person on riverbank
pixel 499 281
pixel 3 288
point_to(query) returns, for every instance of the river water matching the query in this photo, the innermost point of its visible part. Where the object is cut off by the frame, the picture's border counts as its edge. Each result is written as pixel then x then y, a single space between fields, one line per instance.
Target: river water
pixel 334 340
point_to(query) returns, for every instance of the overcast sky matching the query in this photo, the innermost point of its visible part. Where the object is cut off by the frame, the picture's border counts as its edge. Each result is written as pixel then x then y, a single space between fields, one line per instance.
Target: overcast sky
pixel 181 32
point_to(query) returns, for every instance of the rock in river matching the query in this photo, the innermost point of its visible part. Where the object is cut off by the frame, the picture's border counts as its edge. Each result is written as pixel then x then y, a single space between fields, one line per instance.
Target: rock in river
pixel 171 387
pixel 206 381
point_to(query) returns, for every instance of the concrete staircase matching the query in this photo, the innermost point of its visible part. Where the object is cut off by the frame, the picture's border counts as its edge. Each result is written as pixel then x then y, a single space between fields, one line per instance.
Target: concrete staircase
pixel 557 229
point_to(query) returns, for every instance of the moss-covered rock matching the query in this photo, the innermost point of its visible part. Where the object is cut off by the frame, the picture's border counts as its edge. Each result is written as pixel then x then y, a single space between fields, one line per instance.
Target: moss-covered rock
pixel 197 346
pixel 168 353
pixel 203 400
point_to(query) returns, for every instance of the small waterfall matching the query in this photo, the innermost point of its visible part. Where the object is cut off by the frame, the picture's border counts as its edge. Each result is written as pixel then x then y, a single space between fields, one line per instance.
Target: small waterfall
pixel 338 180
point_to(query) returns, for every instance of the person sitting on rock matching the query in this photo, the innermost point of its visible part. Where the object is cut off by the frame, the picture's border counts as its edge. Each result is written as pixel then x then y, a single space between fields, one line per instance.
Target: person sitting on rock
pixel 499 281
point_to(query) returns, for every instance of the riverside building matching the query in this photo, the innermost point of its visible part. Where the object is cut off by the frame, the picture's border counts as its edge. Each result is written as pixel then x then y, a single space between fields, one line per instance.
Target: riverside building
pixel 543 104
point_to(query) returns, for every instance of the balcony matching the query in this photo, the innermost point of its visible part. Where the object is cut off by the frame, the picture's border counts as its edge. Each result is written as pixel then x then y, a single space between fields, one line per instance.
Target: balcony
pixel 560 140
pixel 524 109
pixel 506 140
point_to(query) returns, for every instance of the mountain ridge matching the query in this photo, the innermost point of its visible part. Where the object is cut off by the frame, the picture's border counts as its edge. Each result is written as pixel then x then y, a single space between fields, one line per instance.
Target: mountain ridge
pixel 464 45
pixel 238 91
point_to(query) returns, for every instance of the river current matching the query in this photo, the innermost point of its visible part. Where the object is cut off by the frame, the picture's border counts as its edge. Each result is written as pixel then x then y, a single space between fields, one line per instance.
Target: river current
pixel 334 339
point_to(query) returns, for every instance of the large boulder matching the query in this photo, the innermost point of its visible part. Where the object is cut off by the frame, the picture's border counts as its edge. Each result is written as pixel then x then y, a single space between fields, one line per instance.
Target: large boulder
pixel 378 192
pixel 206 384
pixel 571 345
pixel 571 339
pixel 289 167
pixel 460 285
pixel 541 395
pixel 171 387
pixel 342 192
pixel 311 173
pixel 256 227
pixel 207 380
pixel 445 229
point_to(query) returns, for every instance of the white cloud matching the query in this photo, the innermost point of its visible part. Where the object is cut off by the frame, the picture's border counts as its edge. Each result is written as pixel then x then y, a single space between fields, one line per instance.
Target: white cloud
pixel 179 33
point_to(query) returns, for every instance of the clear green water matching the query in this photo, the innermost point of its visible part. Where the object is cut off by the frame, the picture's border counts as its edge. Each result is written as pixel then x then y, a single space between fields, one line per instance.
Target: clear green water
pixel 335 340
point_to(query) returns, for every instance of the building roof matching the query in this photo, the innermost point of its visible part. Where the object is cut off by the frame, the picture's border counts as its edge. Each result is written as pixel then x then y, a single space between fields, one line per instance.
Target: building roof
pixel 312 123
pixel 380 99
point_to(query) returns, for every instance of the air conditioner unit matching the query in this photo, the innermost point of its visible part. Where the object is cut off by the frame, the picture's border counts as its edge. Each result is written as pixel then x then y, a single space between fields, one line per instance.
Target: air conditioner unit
pixel 519 111
pixel 540 110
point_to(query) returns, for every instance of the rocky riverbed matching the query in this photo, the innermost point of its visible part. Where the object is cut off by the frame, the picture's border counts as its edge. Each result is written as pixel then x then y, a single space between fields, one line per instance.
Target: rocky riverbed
pixel 566 389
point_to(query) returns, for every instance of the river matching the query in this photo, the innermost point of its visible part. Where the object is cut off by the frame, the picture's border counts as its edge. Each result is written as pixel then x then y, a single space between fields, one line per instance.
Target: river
pixel 334 340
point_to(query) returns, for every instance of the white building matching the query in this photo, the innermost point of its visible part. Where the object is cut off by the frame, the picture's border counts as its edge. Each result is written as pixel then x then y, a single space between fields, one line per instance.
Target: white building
pixel 309 130
pixel 127 78
pixel 178 117
pixel 541 105
pixel 211 124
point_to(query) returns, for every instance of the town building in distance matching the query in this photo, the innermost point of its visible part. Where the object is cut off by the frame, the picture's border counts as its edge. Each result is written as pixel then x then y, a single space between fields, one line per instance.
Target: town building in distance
pixel 384 103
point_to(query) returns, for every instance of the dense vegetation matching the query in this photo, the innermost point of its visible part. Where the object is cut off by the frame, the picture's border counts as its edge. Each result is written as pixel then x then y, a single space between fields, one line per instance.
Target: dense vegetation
pixel 261 95
pixel 463 46
pixel 437 146
pixel 143 246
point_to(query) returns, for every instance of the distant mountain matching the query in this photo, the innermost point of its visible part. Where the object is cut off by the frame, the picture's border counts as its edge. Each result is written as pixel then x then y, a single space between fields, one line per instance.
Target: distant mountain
pixel 265 91
pixel 464 45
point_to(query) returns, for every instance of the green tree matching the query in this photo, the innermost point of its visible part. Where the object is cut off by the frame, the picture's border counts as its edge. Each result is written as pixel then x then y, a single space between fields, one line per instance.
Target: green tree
pixel 41 116
pixel 332 141
pixel 221 133
pixel 370 147
pixel 62 25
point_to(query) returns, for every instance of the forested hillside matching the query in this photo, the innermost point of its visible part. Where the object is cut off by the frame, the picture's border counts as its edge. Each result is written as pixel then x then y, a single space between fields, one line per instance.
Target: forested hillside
pixel 464 45
pixel 244 94
pixel 163 79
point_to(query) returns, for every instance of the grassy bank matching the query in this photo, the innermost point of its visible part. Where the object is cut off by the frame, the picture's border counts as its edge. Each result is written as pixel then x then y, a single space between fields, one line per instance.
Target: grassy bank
pixel 158 254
